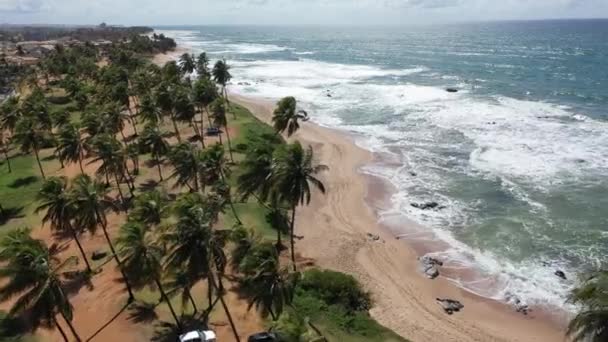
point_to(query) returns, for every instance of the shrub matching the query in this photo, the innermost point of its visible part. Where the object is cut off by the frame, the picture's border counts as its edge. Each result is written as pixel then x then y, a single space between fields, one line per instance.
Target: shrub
pixel 336 288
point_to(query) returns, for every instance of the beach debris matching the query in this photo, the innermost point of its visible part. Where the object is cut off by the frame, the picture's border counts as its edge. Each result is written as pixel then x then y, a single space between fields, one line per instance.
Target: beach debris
pixel 561 274
pixel 374 237
pixel 451 90
pixel 426 206
pixel 449 305
pixel 430 266
pixel 98 255
pixel 517 303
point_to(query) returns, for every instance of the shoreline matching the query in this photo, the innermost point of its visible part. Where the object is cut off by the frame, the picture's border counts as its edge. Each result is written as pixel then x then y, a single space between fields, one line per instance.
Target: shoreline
pixel 335 229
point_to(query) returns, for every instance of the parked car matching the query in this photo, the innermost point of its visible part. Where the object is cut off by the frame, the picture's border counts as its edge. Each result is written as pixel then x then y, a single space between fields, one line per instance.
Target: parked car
pixel 198 336
pixel 211 131
pixel 262 337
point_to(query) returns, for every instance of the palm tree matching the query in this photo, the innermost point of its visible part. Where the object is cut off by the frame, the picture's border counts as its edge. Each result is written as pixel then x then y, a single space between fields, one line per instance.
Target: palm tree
pixel 183 108
pixel 143 259
pixel 256 175
pixel 4 145
pixel 187 242
pixel 218 110
pixel 186 162
pixel 150 208
pixel 202 65
pixel 10 114
pixel 221 75
pixel 33 272
pixel 186 63
pixel 148 110
pixel 152 140
pixel 115 119
pixel 591 323
pixel 91 201
pixel 270 287
pixel 215 171
pixel 204 92
pixel 31 138
pixel 293 174
pixel 165 95
pixel 54 198
pixel 109 151
pixel 285 116
pixel 70 147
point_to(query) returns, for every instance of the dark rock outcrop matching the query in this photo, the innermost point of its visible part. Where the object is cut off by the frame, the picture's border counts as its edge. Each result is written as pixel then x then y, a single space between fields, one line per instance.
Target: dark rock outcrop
pixel 451 90
pixel 449 305
pixel 426 206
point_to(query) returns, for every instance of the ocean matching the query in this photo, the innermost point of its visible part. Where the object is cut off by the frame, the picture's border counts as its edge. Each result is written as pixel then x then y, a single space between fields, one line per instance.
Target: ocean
pixel 517 158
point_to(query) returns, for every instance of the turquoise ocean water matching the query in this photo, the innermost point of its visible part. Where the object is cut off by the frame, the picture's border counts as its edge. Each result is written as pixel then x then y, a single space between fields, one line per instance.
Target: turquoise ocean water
pixel 518 157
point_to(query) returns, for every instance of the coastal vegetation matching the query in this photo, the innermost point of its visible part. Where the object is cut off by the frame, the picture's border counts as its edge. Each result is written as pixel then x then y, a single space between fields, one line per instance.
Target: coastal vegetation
pixel 191 195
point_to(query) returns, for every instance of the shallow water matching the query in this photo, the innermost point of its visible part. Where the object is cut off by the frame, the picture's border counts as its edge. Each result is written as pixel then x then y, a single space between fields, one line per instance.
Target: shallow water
pixel 518 157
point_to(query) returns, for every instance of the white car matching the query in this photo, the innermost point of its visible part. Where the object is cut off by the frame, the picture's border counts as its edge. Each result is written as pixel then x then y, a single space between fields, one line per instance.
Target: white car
pixel 198 336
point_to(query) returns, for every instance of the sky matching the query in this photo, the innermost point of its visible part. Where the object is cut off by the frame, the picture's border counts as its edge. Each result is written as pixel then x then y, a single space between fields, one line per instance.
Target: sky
pixel 299 12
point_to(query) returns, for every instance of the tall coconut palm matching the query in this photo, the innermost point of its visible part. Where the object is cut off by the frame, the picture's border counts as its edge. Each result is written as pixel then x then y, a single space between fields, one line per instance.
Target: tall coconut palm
pixel 186 162
pixel 71 146
pixel 187 242
pixel 183 108
pixel 218 113
pixel 165 95
pixel 187 63
pixel 114 119
pixel 215 171
pixel 180 284
pixel 204 92
pixel 91 202
pixel 149 111
pixel 152 140
pixel 143 259
pixel 591 322
pixel 10 114
pixel 109 151
pixel 221 75
pixel 4 142
pixel 30 137
pixel 256 175
pixel 294 171
pixel 270 288
pixel 150 208
pixel 33 272
pixel 286 117
pixel 54 199
pixel 202 65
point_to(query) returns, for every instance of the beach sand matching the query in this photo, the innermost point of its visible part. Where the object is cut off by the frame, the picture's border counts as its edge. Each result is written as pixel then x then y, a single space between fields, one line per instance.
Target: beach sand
pixel 335 228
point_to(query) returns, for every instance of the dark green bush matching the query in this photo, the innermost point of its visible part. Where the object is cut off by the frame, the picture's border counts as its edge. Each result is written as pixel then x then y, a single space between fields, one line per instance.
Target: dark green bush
pixel 336 288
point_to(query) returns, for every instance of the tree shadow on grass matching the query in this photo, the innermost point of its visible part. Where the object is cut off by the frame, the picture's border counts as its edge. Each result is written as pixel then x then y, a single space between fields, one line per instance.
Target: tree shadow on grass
pixel 148 185
pixel 49 158
pixel 7 214
pixel 142 312
pixel 23 181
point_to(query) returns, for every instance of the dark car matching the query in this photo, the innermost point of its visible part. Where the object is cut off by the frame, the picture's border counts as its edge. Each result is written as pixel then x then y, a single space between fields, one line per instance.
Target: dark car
pixel 262 337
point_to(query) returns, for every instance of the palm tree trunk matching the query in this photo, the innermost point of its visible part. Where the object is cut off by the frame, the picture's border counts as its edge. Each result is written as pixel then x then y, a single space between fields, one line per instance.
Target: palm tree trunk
pixel 236 216
pixel 130 180
pixel 122 198
pixel 229 144
pixel 8 160
pixel 192 301
pixel 166 299
pixel 69 323
pixel 160 172
pixel 228 315
pixel 202 127
pixel 80 162
pixel 65 337
pixel 124 138
pixel 208 117
pixel 179 137
pixel 279 243
pixel 132 118
pixel 292 242
pixel 39 164
pixel 228 103
pixel 75 237
pixel 122 272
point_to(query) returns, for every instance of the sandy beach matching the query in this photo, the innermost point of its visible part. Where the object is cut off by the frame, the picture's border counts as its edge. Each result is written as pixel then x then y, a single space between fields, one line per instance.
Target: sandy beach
pixel 335 231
